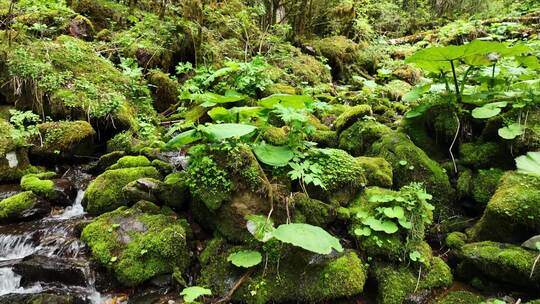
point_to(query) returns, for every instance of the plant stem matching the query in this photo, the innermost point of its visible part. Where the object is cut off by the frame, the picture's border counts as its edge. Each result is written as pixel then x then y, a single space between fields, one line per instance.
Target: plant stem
pixel 454 142
pixel 458 95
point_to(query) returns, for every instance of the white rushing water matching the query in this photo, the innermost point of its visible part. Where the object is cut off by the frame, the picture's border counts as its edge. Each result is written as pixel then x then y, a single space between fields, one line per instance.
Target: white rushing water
pixel 10 283
pixel 74 210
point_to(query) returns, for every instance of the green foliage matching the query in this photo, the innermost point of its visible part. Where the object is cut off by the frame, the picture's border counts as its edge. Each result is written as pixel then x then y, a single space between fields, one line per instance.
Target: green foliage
pixel 212 132
pixel 194 292
pixel 529 164
pixel 25 124
pixel 308 237
pixel 277 156
pixel 245 258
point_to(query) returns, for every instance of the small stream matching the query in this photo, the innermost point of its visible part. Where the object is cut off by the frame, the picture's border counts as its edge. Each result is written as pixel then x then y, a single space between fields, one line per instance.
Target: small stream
pixel 52 239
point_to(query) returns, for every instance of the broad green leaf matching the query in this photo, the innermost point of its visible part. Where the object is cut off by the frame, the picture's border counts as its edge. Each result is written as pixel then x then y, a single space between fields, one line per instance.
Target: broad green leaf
pixel 418 111
pixel 183 138
pixel 192 293
pixel 529 164
pixel 488 110
pixel 381 198
pixel 529 61
pixel 220 114
pixel 416 93
pixel 209 99
pixel 245 258
pixel 308 237
pixel 388 227
pixel 240 114
pixel 260 226
pixel 287 101
pixel 511 131
pixel 277 156
pixel 223 131
pixel 364 231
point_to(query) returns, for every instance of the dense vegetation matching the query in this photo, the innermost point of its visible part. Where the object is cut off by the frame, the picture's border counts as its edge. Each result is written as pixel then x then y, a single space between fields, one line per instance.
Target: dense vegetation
pixel 269 151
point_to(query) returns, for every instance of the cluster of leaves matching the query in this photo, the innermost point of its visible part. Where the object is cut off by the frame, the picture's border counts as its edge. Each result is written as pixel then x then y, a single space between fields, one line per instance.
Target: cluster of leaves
pixel 486 76
pixel 406 212
pixel 25 125
pixel 308 237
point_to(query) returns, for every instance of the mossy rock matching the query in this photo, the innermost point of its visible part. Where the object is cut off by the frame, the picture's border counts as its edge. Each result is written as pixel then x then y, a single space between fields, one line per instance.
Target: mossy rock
pixel 296 67
pixel 105 161
pixel 456 240
pixel 460 297
pixel 105 192
pixel 358 138
pixel 311 211
pixel 411 164
pixel 342 175
pixel 102 13
pixel 56 190
pixel 396 89
pixel 276 136
pixel 66 139
pixel 174 191
pixel 342 53
pixel 350 116
pixel 164 89
pixel 24 206
pixel 131 162
pixel 397 282
pixel 513 212
pixel 500 262
pixel 137 246
pixel 296 280
pixel 325 138
pixel 378 171
pixel 485 155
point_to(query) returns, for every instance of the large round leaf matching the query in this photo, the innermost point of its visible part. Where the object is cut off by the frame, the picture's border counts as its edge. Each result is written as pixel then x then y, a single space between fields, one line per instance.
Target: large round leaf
pixel 311 238
pixel 183 138
pixel 277 156
pixel 511 131
pixel 529 164
pixel 223 131
pixel 245 258
pixel 488 110
pixel 192 293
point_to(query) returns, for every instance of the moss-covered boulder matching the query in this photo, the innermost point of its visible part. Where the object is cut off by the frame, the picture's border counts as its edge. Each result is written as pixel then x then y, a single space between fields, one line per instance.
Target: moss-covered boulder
pixel 378 171
pixel 396 282
pixel 513 212
pixel 174 191
pixel 66 139
pixel 411 164
pixel 499 262
pixel 24 206
pixel 485 155
pixel 350 116
pixel 311 211
pixel 478 186
pixel 56 190
pixel 137 246
pixel 300 277
pixel 342 53
pixel 358 138
pixel 460 297
pixel 131 162
pixel 164 89
pixel 105 192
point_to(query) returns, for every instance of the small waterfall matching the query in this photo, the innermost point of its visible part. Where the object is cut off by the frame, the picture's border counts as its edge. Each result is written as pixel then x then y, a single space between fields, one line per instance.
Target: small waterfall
pixel 74 210
pixel 14 247
pixel 10 282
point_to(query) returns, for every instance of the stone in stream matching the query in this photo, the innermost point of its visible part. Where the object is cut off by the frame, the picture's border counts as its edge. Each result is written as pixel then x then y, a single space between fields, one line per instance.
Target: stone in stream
pixel 58 191
pixel 24 206
pixel 38 268
pixel 48 297
pixel 63 139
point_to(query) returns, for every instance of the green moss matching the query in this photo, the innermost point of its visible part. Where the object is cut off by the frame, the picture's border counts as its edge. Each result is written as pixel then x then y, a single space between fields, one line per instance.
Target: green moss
pixel 163 167
pixel 350 116
pixel 378 171
pixel 174 192
pixel 500 262
pixel 105 192
pixel 358 138
pixel 396 89
pixel 276 136
pixel 395 283
pixel 411 164
pixel 464 183
pixel 342 55
pixel 39 184
pixel 485 184
pixel 165 89
pixel 484 155
pixel 455 240
pixel 16 204
pixel 135 245
pixel 293 67
pixel 64 137
pixel 323 138
pixel 460 297
pixel 513 212
pixel 281 88
pixel 311 211
pixel 103 13
pixel 131 162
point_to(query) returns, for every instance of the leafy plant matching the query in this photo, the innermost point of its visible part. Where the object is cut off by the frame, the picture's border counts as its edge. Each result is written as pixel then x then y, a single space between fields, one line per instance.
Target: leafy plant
pixel 25 123
pixel 529 164
pixel 245 258
pixel 211 132
pixel 194 292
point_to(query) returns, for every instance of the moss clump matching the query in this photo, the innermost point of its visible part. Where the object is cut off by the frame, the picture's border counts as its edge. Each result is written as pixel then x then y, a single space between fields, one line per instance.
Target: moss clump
pixel 358 138
pixel 350 116
pixel 395 283
pixel 311 211
pixel 464 183
pixel 513 212
pixel 296 279
pixel 174 191
pixel 105 192
pixel 163 167
pixel 342 55
pixel 66 138
pixel 14 205
pixel 396 89
pixel 165 89
pixel 485 184
pixel 105 161
pixel 276 136
pixel 484 155
pixel 137 246
pixel 281 88
pixel 131 162
pixel 378 171
pixel 324 139
pixel 39 184
pixel 411 164
pixel 460 297
pixel 294 67
pixel 341 174
pixel 102 13
pixel 456 240
pixel 500 262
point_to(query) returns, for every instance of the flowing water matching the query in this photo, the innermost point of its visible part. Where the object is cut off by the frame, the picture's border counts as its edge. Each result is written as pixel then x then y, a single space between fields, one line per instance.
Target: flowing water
pixel 53 236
